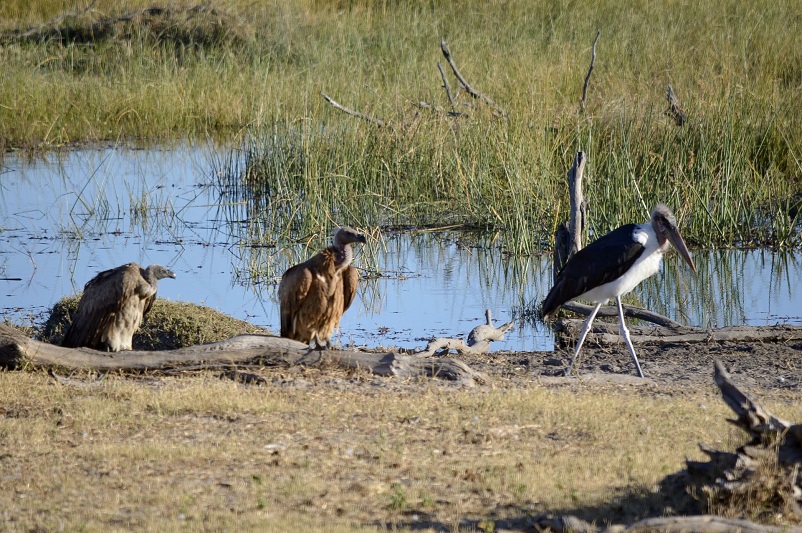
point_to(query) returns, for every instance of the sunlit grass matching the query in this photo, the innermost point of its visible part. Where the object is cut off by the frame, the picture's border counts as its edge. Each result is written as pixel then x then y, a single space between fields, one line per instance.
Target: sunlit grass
pixel 154 454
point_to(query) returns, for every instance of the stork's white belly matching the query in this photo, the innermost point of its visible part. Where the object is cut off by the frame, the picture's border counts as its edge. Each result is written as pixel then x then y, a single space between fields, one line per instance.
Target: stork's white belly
pixel 647 265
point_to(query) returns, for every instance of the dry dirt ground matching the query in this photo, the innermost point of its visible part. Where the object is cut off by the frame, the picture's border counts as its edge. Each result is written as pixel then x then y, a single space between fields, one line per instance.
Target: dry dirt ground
pixel 681 366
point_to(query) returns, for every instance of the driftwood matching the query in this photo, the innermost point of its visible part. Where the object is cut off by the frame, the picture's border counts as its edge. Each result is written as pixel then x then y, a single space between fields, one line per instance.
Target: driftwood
pixel 568 238
pixel 590 70
pixel 578 216
pixel 18 350
pixel 762 475
pixel 607 333
pixel 630 311
pixel 336 105
pixel 668 524
pixel 473 92
pixel 478 342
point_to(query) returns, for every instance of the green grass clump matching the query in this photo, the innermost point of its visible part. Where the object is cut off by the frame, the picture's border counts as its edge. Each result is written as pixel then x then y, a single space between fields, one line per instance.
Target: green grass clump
pixel 167 326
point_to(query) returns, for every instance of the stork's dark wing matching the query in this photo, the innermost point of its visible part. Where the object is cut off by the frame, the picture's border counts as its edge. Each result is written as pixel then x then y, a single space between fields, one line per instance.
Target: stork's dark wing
pixel 598 263
pixel 103 296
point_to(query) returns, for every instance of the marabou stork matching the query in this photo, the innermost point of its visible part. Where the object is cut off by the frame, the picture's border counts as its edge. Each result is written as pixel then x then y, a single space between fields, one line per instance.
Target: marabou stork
pixel 313 295
pixel 612 266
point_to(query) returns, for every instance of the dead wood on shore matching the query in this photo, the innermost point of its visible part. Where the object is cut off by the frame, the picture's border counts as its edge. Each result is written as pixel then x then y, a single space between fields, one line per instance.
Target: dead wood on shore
pixel 607 333
pixel 18 351
pixel 760 480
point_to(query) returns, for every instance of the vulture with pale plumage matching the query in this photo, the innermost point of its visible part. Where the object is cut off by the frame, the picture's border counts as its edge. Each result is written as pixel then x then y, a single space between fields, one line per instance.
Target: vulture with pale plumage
pixel 112 307
pixel 313 295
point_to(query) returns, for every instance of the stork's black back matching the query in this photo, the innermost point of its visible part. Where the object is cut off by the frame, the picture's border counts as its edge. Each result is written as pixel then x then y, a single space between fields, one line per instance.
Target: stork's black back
pixel 600 262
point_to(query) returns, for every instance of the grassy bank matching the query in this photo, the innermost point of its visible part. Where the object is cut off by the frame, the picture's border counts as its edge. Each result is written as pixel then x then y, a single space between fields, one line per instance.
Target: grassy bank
pixel 163 454
pixel 254 74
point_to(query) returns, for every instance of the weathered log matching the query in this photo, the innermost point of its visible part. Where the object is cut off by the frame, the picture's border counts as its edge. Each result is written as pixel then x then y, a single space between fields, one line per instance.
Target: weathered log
pixel 568 238
pixel 630 311
pixel 763 473
pixel 674 110
pixel 336 105
pixel 578 215
pixel 479 339
pixel 774 442
pixel 607 333
pixel 18 350
pixel 473 92
pixel 669 524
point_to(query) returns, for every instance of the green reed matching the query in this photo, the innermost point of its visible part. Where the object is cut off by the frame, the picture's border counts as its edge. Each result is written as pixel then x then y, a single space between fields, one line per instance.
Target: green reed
pixel 253 75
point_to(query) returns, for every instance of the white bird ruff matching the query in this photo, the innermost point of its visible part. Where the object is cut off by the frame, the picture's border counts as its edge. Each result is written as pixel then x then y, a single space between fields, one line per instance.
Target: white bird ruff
pixel 646 265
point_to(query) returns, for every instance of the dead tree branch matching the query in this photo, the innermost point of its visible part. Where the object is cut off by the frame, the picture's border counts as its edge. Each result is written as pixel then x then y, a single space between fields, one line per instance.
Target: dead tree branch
pixel 447 87
pixel 629 310
pixel 19 351
pixel 50 23
pixel 576 222
pixel 336 105
pixel 667 524
pixel 590 70
pixel 568 240
pixel 674 110
pixel 473 92
pixel 607 333
pixel 762 476
pixel 479 339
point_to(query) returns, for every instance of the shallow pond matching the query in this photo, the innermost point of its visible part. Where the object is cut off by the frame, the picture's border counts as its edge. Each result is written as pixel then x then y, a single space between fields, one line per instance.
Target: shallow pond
pixel 67 216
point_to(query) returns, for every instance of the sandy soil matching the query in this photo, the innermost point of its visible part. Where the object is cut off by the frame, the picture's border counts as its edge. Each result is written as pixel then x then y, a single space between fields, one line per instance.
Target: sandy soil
pixel 754 366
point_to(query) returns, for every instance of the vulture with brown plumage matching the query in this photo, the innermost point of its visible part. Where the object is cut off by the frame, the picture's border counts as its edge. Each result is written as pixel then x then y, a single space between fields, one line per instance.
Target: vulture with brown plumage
pixel 112 307
pixel 313 295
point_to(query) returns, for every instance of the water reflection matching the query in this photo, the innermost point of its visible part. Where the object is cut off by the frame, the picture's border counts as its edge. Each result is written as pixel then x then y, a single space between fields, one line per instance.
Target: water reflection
pixel 66 217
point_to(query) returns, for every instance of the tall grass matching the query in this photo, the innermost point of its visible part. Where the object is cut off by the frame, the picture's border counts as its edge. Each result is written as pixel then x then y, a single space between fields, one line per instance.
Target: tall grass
pixel 254 74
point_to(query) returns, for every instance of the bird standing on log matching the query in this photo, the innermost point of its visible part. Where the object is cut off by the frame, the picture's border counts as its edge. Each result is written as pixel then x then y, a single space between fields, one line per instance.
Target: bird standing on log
pixel 313 295
pixel 112 307
pixel 612 266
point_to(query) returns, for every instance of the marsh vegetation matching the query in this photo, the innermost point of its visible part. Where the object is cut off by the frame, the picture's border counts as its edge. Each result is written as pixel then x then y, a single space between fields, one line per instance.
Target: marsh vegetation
pixel 253 74
pixel 164 452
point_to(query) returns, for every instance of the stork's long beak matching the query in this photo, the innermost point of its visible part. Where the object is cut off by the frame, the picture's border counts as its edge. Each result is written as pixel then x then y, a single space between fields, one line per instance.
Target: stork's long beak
pixel 676 240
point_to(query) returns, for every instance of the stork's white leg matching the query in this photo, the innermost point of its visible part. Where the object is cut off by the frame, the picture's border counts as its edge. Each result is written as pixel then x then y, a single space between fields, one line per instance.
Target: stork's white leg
pixel 582 335
pixel 625 333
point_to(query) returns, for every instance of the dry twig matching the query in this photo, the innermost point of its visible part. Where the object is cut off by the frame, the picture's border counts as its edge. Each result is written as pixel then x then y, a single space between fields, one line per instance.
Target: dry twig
pixel 590 70
pixel 336 105
pixel 473 92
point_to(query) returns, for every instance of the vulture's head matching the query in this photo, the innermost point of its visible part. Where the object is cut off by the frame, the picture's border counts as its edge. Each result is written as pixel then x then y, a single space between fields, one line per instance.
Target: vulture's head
pixel 156 272
pixel 346 235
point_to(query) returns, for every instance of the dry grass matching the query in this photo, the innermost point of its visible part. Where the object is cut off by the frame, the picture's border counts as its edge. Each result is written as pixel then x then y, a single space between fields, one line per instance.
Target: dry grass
pixel 319 450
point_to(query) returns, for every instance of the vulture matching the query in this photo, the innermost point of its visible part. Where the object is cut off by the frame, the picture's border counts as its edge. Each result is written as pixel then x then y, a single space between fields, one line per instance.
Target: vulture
pixel 313 295
pixel 112 307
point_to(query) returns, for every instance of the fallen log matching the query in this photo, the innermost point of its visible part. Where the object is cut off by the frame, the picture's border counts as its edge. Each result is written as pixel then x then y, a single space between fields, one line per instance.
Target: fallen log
pixel 479 339
pixel 629 311
pixel 668 524
pixel 19 351
pixel 607 333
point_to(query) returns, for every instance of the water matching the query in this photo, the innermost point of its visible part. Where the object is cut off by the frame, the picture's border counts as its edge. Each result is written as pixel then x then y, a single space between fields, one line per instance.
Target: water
pixel 66 217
